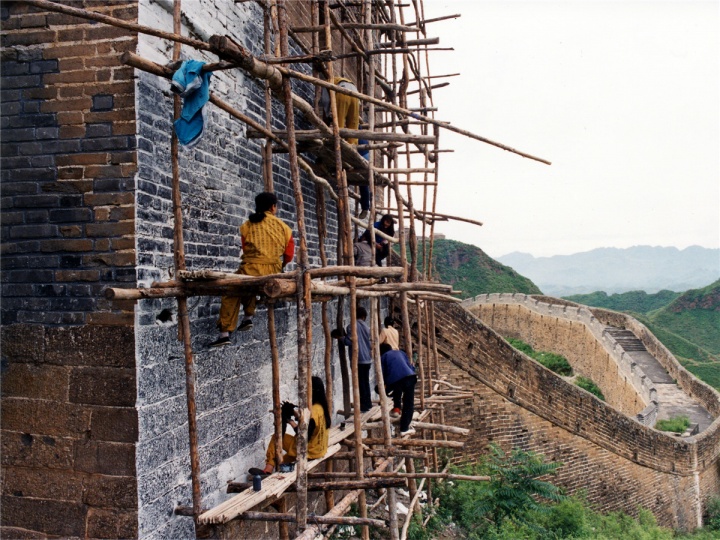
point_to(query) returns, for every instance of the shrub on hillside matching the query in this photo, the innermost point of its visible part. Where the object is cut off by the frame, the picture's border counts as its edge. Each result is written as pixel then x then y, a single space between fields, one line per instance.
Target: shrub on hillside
pixel 554 362
pixel 712 513
pixel 590 386
pixel 677 424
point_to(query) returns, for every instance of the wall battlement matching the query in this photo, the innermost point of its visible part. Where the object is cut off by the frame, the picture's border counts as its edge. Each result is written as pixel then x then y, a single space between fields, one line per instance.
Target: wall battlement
pixel 519 403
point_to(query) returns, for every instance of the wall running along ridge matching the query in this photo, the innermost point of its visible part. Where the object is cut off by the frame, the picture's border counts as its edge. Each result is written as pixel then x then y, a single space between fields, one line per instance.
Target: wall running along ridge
pixel 519 403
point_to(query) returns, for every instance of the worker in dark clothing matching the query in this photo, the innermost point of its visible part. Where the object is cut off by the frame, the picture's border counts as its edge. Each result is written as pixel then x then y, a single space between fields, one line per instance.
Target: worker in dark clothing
pixel 400 379
pixel 364 355
pixel 386 225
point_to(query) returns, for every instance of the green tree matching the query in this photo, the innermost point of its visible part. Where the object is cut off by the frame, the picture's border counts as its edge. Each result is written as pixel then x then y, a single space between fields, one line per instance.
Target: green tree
pixel 515 488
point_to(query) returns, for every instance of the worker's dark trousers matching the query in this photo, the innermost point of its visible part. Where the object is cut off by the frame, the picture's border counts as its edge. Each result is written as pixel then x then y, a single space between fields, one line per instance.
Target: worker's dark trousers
pixel 404 391
pixel 364 383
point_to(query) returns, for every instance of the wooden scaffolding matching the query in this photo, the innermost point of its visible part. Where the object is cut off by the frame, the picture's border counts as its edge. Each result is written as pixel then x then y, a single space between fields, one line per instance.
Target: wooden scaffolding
pixel 384 46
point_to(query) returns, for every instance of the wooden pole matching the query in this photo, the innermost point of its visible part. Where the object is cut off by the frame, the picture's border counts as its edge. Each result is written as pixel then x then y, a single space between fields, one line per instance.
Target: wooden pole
pixel 183 315
pixel 277 420
pixel 304 303
pixel 325 520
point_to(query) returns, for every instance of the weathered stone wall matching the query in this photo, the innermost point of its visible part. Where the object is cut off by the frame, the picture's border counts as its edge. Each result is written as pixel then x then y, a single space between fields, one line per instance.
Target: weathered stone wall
pixel 571 332
pixel 69 423
pixel 219 178
pixel 519 403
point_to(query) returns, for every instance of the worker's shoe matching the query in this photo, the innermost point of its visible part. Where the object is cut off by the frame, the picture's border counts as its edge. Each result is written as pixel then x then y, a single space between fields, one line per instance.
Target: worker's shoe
pixel 395 413
pixel 219 342
pixel 409 431
pixel 363 214
pixel 245 325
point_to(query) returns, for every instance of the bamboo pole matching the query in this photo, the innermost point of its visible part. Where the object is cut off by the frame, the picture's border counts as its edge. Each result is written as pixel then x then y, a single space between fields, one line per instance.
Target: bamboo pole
pixel 325 520
pixel 416 442
pixel 424 425
pixel 344 215
pixel 359 26
pixel 411 506
pixel 277 420
pixel 267 150
pixel 183 315
pixel 347 133
pixel 304 304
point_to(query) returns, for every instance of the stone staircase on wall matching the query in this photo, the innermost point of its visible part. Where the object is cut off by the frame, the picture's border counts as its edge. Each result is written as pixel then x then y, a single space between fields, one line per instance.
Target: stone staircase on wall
pixel 664 397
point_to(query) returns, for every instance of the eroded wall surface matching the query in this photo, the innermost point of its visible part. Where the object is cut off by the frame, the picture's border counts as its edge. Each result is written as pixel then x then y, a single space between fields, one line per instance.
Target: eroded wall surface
pixel 519 403
pixel 69 423
pixel 219 178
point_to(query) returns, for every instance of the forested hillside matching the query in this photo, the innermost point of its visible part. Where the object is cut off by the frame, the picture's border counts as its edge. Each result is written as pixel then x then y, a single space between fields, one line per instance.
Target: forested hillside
pixel 471 270
pixel 635 301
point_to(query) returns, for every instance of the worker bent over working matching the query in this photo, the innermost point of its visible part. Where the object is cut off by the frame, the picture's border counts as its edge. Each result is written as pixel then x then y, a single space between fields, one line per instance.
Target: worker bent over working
pixel 317 431
pixel 265 239
pixel 400 379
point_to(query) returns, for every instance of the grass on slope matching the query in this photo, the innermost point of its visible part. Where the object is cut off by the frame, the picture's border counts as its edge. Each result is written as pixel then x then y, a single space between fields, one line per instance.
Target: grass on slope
pixel 695 315
pixel 470 270
pixel 554 362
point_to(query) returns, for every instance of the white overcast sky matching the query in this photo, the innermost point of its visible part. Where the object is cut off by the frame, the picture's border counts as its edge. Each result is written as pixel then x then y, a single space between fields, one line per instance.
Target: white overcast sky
pixel 622 96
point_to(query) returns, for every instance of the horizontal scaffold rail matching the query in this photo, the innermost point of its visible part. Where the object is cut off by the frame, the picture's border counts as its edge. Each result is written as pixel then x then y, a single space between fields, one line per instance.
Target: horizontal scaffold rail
pixel 277 286
pixel 273 485
pixel 345 133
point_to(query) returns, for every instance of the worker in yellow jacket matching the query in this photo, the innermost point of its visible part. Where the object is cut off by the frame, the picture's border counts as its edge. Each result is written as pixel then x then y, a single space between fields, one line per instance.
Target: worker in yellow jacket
pixel 267 246
pixel 348 107
pixel 317 433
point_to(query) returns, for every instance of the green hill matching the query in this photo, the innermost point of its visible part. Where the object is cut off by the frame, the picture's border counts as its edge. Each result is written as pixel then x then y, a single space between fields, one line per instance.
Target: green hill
pixel 636 301
pixel 688 323
pixel 470 270
pixel 695 315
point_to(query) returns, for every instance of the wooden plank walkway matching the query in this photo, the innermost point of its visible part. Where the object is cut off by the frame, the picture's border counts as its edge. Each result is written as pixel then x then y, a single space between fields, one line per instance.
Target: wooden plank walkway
pixel 276 484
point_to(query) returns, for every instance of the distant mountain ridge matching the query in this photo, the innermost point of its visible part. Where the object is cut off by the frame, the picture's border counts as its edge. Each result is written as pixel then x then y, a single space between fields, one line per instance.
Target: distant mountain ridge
pixel 614 270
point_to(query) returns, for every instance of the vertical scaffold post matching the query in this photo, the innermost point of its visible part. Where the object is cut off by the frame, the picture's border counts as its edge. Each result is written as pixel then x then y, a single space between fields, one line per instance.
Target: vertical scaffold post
pixel 304 303
pixel 179 264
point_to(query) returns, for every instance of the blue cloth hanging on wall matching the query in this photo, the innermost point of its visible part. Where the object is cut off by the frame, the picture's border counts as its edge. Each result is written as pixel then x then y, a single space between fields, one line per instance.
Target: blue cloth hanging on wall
pixel 193 85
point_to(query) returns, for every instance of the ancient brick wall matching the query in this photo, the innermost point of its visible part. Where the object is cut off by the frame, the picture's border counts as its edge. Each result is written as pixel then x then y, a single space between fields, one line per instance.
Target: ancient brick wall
pixel 69 423
pixel 219 178
pixel 518 403
pixel 571 339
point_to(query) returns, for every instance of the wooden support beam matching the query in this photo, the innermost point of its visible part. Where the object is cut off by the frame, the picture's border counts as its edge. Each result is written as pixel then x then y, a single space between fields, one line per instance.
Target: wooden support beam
pixel 325 520
pixel 424 425
pixel 436 19
pixel 359 271
pixel 351 25
pixel 381 453
pixel 345 133
pixel 418 442
pixel 408 170
pixel 410 43
pixel 347 485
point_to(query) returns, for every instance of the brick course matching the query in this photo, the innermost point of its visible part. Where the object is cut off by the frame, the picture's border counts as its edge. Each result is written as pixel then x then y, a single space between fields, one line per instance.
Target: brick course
pixel 69 423
pixel 518 403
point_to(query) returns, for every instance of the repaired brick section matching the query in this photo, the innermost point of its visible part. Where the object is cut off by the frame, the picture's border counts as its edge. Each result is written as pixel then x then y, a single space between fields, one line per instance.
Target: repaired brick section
pixel 69 429
pixel 517 403
pixel 64 93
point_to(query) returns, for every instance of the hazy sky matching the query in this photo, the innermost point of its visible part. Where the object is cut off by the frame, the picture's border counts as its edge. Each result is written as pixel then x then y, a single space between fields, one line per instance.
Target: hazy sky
pixel 623 97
